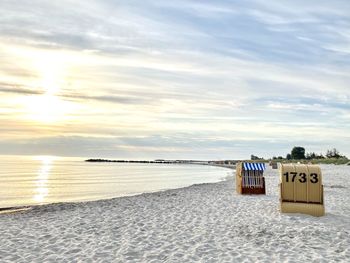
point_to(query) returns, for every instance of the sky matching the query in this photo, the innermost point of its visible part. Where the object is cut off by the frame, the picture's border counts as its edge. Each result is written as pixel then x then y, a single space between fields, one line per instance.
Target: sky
pixel 174 79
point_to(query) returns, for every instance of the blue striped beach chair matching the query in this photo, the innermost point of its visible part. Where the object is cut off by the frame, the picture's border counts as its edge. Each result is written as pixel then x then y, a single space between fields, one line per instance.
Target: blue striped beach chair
pixel 250 178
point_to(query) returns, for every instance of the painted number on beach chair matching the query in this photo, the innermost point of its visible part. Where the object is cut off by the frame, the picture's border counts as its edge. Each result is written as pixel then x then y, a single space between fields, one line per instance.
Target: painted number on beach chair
pixel 314 179
pixel 302 176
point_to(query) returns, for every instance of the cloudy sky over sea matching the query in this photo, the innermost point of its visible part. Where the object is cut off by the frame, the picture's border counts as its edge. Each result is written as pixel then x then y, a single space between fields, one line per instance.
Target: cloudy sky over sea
pixel 174 79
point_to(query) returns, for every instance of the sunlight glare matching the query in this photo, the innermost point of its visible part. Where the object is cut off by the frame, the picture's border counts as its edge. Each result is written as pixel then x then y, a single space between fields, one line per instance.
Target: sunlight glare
pixel 51 69
pixel 41 183
pixel 47 108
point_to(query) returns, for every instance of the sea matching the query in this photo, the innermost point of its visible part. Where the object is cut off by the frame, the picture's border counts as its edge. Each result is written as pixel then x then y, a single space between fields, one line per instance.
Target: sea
pixel 37 180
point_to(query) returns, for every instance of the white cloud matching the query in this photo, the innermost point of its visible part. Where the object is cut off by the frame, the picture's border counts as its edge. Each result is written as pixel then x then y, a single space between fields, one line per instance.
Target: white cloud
pixel 216 73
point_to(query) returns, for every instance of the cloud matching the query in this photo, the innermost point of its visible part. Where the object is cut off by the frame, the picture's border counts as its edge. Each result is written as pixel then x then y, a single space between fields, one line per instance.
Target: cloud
pixel 108 98
pixel 10 88
pixel 192 77
pixel 183 147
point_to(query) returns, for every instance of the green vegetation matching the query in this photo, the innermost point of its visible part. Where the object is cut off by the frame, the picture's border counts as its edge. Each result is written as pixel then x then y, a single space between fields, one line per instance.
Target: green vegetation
pixel 331 161
pixel 316 161
pixel 299 155
pixel 253 157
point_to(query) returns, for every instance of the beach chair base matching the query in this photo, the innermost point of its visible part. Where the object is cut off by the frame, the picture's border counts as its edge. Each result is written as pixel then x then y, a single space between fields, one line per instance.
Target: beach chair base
pixel 253 191
pixel 249 190
pixel 303 208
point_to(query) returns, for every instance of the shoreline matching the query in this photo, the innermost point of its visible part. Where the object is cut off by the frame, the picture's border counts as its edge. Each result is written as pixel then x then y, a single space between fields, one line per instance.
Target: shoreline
pixel 14 209
pixel 165 177
pixel 113 199
pixel 18 209
pixel 24 208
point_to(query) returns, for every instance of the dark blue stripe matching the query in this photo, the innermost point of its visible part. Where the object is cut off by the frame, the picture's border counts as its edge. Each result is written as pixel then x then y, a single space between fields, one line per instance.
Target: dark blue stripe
pixel 254 166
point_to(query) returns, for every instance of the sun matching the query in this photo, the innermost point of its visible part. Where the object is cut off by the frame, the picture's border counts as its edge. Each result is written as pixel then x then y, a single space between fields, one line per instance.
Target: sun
pixel 52 69
pixel 49 107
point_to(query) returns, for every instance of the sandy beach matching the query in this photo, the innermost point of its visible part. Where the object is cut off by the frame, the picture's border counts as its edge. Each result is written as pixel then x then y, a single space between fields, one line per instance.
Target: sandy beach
pixel 200 223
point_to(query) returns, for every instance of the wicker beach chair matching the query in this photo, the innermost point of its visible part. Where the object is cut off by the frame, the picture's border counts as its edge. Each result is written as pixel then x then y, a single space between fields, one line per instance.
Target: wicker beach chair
pixel 250 178
pixel 301 189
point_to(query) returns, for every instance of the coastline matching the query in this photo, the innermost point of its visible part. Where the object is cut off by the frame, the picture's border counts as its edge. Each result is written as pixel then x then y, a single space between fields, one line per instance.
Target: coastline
pixel 231 164
pixel 23 208
pixel 15 209
pixel 56 181
pixel 200 223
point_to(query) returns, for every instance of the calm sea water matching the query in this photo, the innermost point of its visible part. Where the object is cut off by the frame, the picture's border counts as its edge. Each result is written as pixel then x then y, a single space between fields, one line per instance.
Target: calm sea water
pixel 40 180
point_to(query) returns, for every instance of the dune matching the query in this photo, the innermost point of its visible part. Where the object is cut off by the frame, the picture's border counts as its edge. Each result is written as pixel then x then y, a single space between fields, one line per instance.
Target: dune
pixel 200 223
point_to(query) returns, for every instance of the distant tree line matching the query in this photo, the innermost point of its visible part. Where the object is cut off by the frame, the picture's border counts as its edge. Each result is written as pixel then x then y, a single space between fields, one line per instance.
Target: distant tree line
pixel 298 153
pixel 254 157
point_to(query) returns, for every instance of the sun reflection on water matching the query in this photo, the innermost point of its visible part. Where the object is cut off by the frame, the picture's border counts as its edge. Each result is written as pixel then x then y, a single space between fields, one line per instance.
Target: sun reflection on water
pixel 41 190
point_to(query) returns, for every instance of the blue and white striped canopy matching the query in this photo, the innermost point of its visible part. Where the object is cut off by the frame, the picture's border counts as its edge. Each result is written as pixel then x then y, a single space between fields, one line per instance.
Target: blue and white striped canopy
pixel 254 166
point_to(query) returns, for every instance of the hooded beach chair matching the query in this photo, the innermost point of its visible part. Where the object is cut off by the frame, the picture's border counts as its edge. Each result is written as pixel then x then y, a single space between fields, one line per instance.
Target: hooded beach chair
pixel 250 178
pixel 301 189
